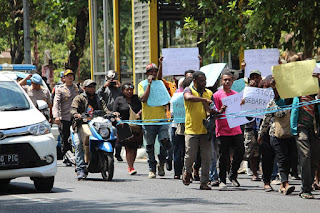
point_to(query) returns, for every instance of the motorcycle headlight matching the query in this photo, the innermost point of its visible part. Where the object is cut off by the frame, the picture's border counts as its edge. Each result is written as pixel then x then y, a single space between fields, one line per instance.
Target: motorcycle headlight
pixel 104 132
pixel 40 128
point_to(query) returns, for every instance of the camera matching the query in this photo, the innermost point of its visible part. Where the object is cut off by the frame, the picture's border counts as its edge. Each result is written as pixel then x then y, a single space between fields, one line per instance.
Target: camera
pixel 113 83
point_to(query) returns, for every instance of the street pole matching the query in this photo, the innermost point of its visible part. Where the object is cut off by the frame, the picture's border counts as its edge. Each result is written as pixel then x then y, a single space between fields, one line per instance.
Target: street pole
pixel 26 32
pixel 105 36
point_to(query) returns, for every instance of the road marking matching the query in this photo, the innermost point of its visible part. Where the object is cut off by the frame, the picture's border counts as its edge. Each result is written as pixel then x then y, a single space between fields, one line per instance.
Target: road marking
pixel 39 200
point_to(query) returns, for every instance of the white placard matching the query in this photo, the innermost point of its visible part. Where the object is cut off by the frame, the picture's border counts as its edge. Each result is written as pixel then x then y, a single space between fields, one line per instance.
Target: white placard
pixel 212 72
pixel 256 99
pixel 262 60
pixel 178 60
pixel 233 106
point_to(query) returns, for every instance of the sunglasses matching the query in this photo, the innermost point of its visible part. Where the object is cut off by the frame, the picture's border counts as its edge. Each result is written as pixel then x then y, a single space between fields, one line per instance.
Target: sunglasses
pixel 128 87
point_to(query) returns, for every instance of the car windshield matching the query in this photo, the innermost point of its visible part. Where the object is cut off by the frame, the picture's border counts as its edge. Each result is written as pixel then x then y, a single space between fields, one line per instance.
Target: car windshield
pixel 12 97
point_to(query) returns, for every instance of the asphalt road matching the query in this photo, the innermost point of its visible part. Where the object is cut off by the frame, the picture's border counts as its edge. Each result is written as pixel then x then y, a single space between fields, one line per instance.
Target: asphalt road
pixel 137 193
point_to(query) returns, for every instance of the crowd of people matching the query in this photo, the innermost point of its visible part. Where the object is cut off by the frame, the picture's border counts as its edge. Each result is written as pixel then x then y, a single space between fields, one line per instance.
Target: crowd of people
pixel 284 142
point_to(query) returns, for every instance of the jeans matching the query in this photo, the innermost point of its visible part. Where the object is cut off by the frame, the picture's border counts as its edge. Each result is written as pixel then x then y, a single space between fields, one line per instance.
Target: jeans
pixel 64 130
pixel 308 153
pixel 79 153
pixel 178 151
pixel 281 148
pixel 193 143
pixel 213 174
pixel 150 132
pixel 228 144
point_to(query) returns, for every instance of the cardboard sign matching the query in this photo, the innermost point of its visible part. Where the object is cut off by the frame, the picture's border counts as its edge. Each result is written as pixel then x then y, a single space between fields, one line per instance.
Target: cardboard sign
pixel 261 59
pixel 178 60
pixel 159 95
pixel 233 106
pixel 256 99
pixel 295 79
pixel 238 85
pixel 212 72
pixel 177 103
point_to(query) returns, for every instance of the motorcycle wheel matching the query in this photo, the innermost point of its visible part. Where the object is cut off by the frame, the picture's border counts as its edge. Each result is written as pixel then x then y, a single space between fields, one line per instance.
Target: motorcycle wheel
pixel 107 167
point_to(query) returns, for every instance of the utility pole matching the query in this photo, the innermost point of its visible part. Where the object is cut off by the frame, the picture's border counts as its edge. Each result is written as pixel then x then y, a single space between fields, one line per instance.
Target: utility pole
pixel 26 32
pixel 105 35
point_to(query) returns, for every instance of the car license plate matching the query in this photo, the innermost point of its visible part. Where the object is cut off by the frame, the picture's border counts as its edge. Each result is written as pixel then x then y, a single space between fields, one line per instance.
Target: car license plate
pixel 9 160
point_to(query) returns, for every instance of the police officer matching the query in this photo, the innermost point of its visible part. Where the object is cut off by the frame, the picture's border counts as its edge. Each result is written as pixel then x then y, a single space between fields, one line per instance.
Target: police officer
pixel 64 96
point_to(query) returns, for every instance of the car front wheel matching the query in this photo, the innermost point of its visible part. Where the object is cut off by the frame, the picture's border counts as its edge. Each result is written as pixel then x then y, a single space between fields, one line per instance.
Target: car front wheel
pixel 43 184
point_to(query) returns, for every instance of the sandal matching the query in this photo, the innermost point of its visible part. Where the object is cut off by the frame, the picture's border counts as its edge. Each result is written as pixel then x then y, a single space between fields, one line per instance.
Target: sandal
pixel 306 195
pixel 268 189
pixel 289 190
pixel 316 186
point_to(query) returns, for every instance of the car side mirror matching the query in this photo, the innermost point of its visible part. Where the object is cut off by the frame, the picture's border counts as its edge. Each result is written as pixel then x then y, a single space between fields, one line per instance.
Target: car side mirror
pixel 42 105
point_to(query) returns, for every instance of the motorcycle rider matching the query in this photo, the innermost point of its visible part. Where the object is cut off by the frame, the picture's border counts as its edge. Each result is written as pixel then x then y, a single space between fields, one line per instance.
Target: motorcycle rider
pixel 86 102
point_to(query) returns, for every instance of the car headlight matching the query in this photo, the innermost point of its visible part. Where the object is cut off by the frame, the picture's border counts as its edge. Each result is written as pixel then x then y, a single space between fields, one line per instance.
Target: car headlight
pixel 40 128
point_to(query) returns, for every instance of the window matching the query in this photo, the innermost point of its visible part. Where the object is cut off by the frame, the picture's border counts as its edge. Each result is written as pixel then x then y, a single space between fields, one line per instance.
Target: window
pixel 12 97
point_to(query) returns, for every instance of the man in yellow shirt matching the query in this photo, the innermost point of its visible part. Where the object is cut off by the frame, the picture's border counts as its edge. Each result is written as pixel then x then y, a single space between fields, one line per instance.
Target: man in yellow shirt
pixel 150 132
pixel 197 98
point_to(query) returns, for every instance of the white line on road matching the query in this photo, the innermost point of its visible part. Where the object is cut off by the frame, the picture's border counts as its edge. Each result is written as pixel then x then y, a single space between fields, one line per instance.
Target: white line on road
pixel 39 200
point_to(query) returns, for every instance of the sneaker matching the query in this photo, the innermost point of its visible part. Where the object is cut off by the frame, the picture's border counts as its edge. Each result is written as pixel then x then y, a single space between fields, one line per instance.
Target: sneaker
pixel 249 172
pixel 81 175
pixel 222 185
pixel 295 177
pixel 132 171
pixel 235 182
pixel 161 171
pixel 215 183
pixel 204 186
pixel 152 175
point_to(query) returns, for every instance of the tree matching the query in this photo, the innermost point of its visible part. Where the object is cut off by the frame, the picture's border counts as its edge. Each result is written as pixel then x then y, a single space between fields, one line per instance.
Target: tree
pixel 11 29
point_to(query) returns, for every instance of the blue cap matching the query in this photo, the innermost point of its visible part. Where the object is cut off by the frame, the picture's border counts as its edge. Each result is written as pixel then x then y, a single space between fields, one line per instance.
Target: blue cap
pixel 61 74
pixel 36 78
pixel 21 75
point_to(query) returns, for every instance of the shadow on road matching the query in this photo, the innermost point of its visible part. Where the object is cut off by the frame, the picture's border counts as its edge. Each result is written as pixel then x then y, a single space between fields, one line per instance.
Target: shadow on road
pixel 26 188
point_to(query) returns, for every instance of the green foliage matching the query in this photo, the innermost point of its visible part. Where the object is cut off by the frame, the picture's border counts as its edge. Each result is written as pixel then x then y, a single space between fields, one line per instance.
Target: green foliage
pixel 257 24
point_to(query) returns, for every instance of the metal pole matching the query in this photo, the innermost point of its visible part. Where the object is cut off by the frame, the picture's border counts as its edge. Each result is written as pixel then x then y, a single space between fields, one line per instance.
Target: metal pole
pixel 26 32
pixel 105 35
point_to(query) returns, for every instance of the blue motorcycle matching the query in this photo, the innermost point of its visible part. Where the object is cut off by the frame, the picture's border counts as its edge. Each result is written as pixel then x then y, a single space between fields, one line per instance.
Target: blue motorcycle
pixel 103 136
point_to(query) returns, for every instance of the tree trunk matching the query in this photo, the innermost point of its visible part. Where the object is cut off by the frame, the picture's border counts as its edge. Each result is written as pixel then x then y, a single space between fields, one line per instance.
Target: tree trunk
pixel 77 48
pixel 16 51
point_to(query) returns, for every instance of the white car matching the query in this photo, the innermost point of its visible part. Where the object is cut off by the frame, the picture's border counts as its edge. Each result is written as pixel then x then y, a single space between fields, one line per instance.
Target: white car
pixel 27 147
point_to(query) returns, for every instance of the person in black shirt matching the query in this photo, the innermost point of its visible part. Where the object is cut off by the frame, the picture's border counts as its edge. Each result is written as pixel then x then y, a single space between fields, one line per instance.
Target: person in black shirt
pixel 124 104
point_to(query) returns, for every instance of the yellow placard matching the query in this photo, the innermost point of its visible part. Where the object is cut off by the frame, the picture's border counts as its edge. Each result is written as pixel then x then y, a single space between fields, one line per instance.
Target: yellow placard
pixel 295 79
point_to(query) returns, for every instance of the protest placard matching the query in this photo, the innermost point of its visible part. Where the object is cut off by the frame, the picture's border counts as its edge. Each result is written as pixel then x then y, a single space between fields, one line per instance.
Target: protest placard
pixel 159 95
pixel 177 104
pixel 261 59
pixel 233 106
pixel 212 72
pixel 238 85
pixel 256 99
pixel 316 69
pixel 178 60
pixel 295 79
